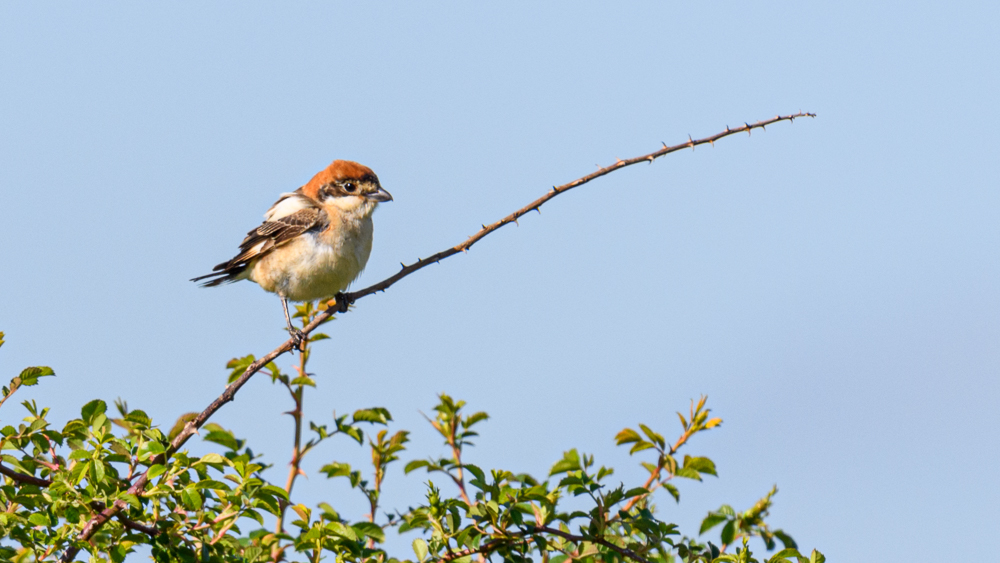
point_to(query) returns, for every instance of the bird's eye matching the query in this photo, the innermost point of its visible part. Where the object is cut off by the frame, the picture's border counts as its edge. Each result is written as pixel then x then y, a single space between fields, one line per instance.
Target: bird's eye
pixel 349 187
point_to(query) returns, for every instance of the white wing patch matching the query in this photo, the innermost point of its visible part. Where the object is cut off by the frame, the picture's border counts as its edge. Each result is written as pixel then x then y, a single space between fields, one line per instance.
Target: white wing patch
pixel 287 204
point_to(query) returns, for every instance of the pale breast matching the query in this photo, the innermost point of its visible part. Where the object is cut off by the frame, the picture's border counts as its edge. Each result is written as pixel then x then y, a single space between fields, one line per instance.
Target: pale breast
pixel 316 265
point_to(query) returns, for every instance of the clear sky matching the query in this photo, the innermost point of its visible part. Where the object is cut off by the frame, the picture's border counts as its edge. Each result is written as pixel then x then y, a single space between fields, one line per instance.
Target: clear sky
pixel 832 285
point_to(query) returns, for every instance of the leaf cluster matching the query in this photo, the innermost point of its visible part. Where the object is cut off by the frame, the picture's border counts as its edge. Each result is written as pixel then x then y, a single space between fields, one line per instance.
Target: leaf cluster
pixel 222 507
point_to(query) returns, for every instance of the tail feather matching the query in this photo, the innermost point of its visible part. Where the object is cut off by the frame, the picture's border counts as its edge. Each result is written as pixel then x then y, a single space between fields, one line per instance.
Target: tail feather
pixel 227 275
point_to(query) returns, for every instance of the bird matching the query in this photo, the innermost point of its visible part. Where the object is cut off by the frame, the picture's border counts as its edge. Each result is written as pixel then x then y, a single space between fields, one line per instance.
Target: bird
pixel 314 242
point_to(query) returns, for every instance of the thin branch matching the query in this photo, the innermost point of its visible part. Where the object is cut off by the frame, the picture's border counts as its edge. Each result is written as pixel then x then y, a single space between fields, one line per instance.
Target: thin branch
pixel 295 465
pixel 456 451
pixel 24 478
pixel 150 531
pixel 344 300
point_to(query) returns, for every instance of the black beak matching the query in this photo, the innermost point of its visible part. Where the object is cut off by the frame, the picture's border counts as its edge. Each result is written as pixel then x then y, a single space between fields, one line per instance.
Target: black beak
pixel 380 195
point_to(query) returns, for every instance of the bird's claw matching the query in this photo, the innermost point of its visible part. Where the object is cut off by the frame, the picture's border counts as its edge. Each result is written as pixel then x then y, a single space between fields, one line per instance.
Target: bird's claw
pixel 343 304
pixel 299 337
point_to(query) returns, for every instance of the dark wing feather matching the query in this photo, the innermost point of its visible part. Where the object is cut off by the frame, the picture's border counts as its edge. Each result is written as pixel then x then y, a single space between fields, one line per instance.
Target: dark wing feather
pixel 264 239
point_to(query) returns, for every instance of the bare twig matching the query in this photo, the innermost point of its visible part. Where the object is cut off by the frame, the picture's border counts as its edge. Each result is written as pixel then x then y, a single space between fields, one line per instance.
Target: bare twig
pixel 346 299
pixel 295 465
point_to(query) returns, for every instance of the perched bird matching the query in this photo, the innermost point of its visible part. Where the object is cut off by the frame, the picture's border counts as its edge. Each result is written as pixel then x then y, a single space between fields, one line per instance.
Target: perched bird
pixel 314 241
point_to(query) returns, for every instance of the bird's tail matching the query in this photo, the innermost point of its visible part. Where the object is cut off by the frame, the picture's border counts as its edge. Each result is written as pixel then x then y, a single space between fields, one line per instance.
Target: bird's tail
pixel 226 273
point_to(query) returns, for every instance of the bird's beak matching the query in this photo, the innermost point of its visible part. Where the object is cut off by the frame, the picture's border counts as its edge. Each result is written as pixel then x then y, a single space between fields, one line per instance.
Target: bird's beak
pixel 380 195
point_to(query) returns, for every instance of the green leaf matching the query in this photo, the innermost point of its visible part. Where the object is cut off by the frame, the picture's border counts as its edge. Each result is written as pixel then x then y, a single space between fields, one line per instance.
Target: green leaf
pixel 80 454
pixel 653 435
pixel 156 470
pixel 191 498
pixel 304 513
pixel 212 458
pixel 786 540
pixel 219 435
pixel 238 366
pixel 569 462
pixel 420 549
pixel 784 555
pixel 132 500
pixel 30 375
pixel 635 492
pixel 341 530
pixel 97 471
pixel 98 421
pixel 336 469
pixel 212 484
pixel 375 415
pixel 150 449
pixel 687 473
pixel 373 531
pixel 729 532
pixel 700 464
pixel 277 491
pixel 475 470
pixel 39 519
pixel 627 436
pixel 816 557
pixel 475 418
pixel 415 464
pixel 711 521
pixel 92 409
pixel 674 492
pixel 639 446
pixel 139 417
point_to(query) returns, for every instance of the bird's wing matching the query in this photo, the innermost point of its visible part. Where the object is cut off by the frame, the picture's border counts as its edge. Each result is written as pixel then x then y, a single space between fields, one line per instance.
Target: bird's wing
pixel 265 238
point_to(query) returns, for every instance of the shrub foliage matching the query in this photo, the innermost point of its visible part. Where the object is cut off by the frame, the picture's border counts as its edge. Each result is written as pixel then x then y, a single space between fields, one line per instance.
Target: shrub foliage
pixel 221 507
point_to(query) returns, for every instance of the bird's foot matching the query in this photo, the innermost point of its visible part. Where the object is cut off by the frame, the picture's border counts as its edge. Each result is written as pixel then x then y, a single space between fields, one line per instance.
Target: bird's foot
pixel 299 337
pixel 343 303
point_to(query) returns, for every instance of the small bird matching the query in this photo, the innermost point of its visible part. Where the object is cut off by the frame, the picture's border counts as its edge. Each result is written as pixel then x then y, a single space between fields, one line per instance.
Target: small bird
pixel 314 241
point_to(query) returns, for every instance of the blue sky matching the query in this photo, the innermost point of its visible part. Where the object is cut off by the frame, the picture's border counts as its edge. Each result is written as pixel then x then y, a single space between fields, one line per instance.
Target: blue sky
pixel 833 285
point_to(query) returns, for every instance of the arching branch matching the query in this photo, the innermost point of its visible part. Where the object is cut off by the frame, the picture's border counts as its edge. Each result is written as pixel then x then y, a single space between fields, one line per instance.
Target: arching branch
pixel 344 300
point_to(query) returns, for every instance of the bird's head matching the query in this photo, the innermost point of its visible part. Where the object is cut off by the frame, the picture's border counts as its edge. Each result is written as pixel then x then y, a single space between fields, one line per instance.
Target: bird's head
pixel 347 186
